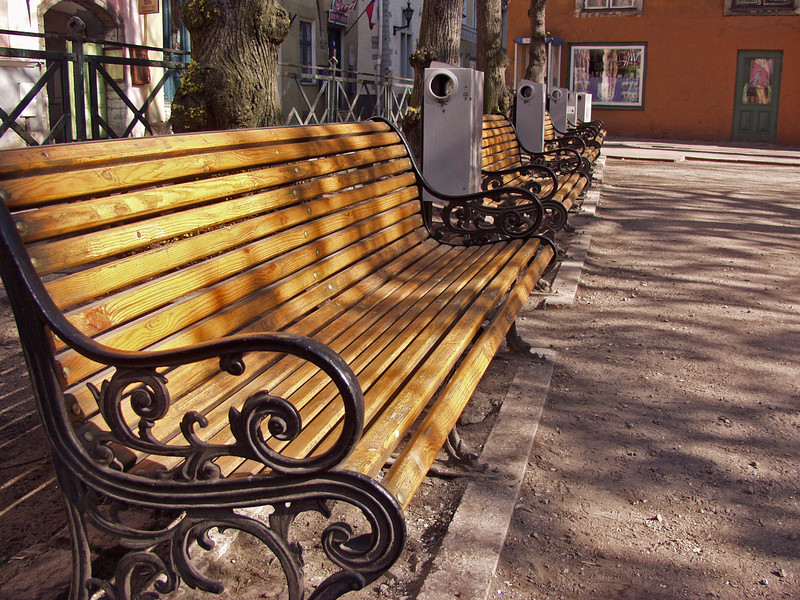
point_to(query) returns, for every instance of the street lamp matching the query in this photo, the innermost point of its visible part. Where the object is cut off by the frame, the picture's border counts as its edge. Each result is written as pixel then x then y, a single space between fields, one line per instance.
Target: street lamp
pixel 408 12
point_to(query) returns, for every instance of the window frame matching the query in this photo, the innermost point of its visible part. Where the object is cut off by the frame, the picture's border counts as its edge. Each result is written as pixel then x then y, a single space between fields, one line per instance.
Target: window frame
pixel 574 83
pixel 582 10
pixel 731 9
pixel 307 46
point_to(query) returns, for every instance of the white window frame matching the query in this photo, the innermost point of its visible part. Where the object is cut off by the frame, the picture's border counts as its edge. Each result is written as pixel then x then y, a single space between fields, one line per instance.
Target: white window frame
pixel 406 49
pixel 611 5
pixel 624 84
pixel 611 8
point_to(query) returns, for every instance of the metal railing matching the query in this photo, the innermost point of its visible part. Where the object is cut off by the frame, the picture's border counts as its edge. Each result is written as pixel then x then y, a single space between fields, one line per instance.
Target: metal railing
pixel 88 78
pixel 328 94
pixel 83 79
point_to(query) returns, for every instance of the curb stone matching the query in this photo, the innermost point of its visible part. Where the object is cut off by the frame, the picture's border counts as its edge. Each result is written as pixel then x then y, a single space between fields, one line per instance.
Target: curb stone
pixel 466 563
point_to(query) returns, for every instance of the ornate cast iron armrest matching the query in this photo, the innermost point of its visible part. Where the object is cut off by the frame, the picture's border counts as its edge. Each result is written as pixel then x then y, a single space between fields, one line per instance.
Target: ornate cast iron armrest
pixel 575 142
pixel 588 136
pixel 97 491
pixel 537 174
pixel 589 126
pixel 136 378
pixel 566 158
pixel 585 137
pixel 565 161
pixel 504 213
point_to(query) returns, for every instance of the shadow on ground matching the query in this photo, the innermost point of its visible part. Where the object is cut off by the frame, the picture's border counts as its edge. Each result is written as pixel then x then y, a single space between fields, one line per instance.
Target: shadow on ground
pixel 667 461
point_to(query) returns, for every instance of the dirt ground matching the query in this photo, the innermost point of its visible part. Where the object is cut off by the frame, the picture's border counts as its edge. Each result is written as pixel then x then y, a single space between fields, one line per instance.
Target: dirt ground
pixel 667 461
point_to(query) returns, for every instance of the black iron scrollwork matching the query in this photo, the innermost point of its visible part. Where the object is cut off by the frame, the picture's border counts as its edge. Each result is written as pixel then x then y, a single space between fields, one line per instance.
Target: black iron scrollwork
pixel 145 391
pixel 168 554
pixel 533 178
pixel 501 213
pixel 556 215
pixel 488 218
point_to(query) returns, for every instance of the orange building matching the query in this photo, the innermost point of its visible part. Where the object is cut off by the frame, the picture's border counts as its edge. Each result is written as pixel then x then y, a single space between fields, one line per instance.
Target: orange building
pixel 678 69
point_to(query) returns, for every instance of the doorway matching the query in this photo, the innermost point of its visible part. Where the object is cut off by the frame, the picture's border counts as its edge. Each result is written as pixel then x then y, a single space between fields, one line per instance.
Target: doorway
pixel 755 107
pixel 101 24
pixel 335 47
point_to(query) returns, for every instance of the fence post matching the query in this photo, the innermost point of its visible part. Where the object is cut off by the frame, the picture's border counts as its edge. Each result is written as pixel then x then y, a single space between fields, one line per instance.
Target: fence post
pixel 386 105
pixel 333 91
pixel 77 35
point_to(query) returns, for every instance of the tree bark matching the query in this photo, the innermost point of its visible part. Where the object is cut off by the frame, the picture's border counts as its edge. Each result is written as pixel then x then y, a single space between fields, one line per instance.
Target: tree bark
pixel 537 51
pixel 439 40
pixel 492 59
pixel 232 81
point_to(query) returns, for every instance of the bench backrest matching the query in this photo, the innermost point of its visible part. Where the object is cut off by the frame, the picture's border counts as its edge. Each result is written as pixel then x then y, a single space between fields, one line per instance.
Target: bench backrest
pixel 549 128
pixel 499 145
pixel 166 241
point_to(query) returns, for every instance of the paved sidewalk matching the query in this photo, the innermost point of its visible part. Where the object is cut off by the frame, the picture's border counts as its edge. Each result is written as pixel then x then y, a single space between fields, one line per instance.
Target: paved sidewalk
pixel 629 148
pixel 466 567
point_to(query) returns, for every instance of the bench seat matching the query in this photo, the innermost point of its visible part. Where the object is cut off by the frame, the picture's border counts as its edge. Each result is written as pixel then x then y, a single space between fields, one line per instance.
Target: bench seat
pixel 557 176
pixel 262 317
pixel 587 139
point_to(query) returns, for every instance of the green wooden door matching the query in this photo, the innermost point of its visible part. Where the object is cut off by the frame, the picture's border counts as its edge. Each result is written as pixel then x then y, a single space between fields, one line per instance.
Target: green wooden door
pixel 755 107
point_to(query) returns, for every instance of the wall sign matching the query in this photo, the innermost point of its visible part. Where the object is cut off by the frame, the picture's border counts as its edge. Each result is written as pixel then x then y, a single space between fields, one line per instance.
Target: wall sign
pixel 148 7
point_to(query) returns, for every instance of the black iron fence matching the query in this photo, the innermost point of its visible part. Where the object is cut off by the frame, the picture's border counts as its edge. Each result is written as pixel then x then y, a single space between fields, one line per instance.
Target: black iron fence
pixel 77 90
pixel 96 89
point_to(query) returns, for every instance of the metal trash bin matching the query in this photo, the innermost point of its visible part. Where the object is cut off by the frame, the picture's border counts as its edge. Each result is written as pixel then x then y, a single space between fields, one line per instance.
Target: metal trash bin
pixel 557 105
pixel 529 118
pixel 451 131
pixel 572 108
pixel 584 113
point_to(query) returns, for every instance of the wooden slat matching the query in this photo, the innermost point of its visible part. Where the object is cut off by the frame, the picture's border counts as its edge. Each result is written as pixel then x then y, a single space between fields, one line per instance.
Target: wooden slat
pixel 384 435
pixel 351 332
pixel 81 154
pixel 151 170
pixel 355 309
pixel 225 318
pixel 67 218
pixel 75 184
pixel 387 373
pixel 410 468
pixel 202 386
pixel 65 254
pixel 231 249
pixel 373 351
pixel 109 277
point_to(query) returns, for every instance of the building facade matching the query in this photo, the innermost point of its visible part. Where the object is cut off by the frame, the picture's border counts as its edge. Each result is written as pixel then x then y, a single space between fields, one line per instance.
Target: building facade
pixel 680 69
pixel 112 28
pixel 342 60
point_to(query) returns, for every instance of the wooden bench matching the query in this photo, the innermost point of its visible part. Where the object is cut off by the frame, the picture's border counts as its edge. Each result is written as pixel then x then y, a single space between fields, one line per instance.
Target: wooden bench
pixel 594 129
pixel 557 176
pixel 587 138
pixel 222 320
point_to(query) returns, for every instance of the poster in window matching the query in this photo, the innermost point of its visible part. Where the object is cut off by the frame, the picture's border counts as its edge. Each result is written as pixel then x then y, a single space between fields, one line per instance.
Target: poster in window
pixel 613 73
pixel 140 74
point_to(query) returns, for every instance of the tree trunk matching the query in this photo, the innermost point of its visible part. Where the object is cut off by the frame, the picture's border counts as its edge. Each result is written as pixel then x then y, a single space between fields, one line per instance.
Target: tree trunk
pixel 492 59
pixel 232 81
pixel 439 39
pixel 537 51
